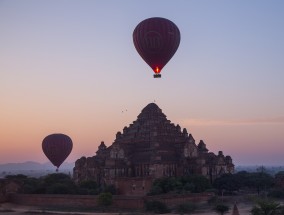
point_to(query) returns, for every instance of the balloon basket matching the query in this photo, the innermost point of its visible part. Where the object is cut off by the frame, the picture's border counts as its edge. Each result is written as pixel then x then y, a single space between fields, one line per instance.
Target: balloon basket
pixel 157 75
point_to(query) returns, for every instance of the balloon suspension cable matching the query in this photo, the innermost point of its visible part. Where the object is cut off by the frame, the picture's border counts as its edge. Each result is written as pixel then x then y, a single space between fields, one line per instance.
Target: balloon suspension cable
pixel 157 75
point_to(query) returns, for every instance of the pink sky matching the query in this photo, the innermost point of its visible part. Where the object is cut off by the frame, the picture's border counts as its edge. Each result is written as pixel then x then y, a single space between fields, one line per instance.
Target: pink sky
pixel 72 68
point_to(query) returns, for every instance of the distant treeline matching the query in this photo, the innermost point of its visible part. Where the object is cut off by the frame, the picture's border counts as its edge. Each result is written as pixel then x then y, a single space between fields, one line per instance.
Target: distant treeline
pixel 228 184
pixel 272 170
pixel 57 183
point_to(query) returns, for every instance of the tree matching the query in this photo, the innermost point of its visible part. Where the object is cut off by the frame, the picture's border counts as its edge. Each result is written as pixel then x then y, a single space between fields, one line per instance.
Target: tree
pixel 16 177
pixel 233 182
pixel 228 182
pixel 200 183
pixel 89 187
pixel 192 183
pixel 266 207
pixel 110 189
pixel 89 184
pixel 260 181
pixel 57 183
pixel 163 185
pixel 279 179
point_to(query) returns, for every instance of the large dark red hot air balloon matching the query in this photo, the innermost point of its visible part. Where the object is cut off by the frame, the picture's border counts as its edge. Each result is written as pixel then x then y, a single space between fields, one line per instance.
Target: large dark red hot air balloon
pixel 57 147
pixel 156 40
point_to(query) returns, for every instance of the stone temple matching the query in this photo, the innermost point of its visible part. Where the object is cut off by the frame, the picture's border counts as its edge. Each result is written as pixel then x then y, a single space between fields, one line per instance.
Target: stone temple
pixel 151 147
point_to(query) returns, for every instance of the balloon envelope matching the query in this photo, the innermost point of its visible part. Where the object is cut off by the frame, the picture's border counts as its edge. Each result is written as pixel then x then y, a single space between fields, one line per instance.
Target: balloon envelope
pixel 57 147
pixel 156 40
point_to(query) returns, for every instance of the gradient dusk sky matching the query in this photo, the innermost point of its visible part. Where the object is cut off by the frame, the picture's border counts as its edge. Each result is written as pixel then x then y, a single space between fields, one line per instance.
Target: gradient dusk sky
pixel 71 67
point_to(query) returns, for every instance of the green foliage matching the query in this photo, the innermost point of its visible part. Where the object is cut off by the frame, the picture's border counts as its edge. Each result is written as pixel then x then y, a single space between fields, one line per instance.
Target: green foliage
pixel 28 184
pixel 56 178
pixel 281 210
pixel 156 190
pixel 228 182
pixel 221 208
pixel 260 181
pixel 57 183
pixel 279 174
pixel 193 183
pixel 187 208
pixel 89 184
pixel 110 189
pixel 197 183
pixel 267 207
pixel 163 185
pixel 16 177
pixel 88 187
pixel 105 199
pixel 156 207
pixel 166 184
pixel 50 184
pixel 233 182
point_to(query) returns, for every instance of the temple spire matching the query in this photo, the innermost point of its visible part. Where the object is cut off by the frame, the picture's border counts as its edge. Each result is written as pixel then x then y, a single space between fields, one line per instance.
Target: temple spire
pixel 235 210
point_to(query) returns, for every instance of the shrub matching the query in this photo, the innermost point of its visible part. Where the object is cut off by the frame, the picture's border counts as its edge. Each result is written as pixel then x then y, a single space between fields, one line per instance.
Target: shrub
pixel 88 184
pixel 281 209
pixel 192 183
pixel 189 186
pixel 266 207
pixel 155 190
pixel 105 199
pixel 88 187
pixel 57 183
pixel 110 189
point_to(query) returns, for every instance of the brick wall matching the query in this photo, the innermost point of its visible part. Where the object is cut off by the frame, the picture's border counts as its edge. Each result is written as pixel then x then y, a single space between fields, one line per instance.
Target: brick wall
pixel 133 186
pixel 3 198
pixel 73 200
pixel 126 202
pixel 176 199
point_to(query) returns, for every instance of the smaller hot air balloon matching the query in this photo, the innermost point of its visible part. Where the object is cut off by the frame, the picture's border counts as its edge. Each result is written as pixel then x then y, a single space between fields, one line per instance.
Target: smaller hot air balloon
pixel 156 40
pixel 57 148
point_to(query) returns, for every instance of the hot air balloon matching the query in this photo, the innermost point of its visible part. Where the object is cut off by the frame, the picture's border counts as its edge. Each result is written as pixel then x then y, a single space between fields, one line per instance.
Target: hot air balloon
pixel 156 40
pixel 57 147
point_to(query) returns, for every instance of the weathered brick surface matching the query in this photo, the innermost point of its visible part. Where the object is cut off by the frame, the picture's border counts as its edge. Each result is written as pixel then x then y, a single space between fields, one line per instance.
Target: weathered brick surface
pixel 123 202
pixel 149 148
pixel 3 198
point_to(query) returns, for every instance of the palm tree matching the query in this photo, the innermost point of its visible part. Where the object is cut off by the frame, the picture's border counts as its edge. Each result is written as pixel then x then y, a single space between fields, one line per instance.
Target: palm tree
pixel 266 207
